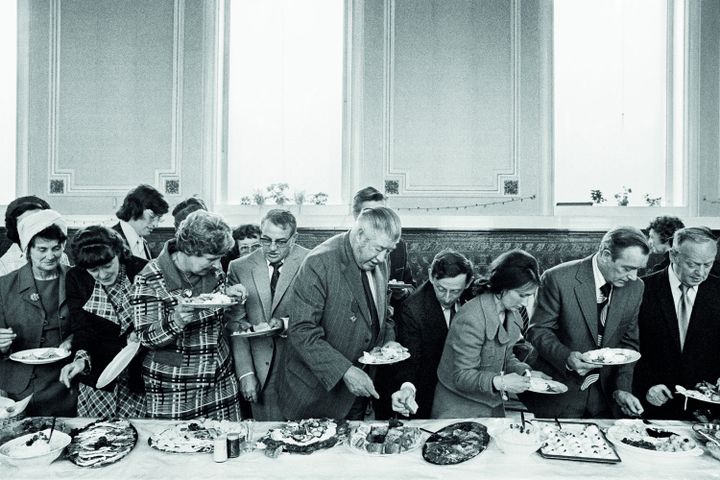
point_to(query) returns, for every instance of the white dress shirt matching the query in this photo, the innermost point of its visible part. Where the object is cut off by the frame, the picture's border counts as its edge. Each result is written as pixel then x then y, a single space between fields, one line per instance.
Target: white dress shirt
pixel 135 241
pixel 677 294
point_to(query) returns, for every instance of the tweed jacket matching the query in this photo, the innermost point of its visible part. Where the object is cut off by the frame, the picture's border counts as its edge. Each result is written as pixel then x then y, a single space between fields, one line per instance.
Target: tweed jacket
pixel 257 354
pixel 21 310
pixel 329 328
pixel 565 320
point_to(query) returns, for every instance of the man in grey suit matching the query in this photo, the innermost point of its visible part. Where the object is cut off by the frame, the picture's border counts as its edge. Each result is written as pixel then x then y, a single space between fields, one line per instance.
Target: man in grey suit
pixel 338 310
pixel 267 274
pixel 583 305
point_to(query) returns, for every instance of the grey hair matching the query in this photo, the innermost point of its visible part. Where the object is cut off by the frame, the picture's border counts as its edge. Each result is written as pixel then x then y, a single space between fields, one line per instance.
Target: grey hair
pixel 380 220
pixel 620 238
pixel 692 234
pixel 204 233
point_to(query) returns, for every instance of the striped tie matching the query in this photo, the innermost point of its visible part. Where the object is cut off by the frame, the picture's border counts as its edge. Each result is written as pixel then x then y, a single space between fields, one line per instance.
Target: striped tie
pixel 683 314
pixel 602 307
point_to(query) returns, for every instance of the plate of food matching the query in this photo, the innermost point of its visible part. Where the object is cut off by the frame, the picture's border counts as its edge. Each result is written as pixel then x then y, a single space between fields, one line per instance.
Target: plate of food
pixel 210 300
pixel 384 439
pixel 385 355
pixel 656 442
pixel 37 449
pixel 40 356
pixel 576 441
pixel 28 425
pixel 102 442
pixel 516 438
pixel 704 391
pixel 305 436
pixel 456 443
pixel 610 356
pixel 194 436
pixel 262 329
pixel 542 385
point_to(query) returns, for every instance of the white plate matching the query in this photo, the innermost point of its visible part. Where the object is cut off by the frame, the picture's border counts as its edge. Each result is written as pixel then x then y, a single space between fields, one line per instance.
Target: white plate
pixel 34 356
pixel 118 364
pixel 611 356
pixel 262 333
pixel 615 434
pixel 375 361
pixel 419 441
pixel 209 305
pixel 540 385
pixel 695 395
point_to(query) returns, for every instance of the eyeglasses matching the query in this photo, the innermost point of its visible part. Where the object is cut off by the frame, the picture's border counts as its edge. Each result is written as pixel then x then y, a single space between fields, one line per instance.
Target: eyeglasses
pixel 280 243
pixel 156 219
pixel 248 248
pixel 443 291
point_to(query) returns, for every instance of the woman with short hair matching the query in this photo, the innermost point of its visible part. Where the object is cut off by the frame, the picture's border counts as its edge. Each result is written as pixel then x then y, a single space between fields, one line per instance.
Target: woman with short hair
pixel 101 317
pixel 188 370
pixel 478 368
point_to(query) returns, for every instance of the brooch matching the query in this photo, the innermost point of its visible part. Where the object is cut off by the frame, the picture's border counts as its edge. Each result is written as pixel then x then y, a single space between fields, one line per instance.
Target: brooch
pixel 34 297
pixel 187 293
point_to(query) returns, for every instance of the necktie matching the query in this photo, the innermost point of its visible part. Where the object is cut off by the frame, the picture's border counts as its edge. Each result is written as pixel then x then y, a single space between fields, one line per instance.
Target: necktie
pixel 683 314
pixel 525 320
pixel 274 277
pixel 602 309
pixel 375 321
pixel 452 315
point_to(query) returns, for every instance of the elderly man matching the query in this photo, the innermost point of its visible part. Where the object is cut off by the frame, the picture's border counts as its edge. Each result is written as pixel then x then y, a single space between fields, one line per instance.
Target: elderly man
pixel 583 305
pixel 268 275
pixel 339 310
pixel 141 211
pixel 679 325
pixel 423 325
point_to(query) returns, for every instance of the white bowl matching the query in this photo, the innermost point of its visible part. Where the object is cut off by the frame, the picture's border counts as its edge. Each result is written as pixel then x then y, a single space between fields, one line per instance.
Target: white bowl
pixel 512 442
pixel 12 453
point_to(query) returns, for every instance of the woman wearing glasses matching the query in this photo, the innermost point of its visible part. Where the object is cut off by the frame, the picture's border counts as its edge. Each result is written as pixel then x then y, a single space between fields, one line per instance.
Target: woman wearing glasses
pixel 247 240
pixel 188 372
pixel 478 368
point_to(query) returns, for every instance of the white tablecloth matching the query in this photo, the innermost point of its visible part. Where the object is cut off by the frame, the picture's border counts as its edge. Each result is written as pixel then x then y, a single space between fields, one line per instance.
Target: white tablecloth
pixel 341 462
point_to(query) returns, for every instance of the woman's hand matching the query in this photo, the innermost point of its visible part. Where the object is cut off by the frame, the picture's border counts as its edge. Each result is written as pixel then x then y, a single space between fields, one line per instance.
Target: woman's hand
pixel 6 338
pixel 183 313
pixel 511 382
pixel 237 291
pixel 539 374
pixel 71 370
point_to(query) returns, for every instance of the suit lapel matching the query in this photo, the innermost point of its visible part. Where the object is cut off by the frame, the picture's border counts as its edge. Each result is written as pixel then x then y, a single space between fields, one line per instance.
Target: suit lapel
pixel 618 301
pixel 436 318
pixel 585 295
pixel 261 278
pixel 287 273
pixel 351 273
pixel 663 294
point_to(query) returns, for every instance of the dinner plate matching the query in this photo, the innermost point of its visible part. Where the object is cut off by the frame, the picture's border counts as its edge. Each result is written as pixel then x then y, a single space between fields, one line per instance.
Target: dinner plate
pixel 398 286
pixel 401 357
pixel 359 445
pixel 262 333
pixel 695 395
pixel 610 356
pixel 102 442
pixel 40 356
pixel 541 385
pixel 616 433
pixel 118 364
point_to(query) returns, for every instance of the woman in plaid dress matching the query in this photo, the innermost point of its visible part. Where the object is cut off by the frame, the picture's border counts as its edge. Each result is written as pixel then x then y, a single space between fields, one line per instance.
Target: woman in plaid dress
pixel 98 295
pixel 188 370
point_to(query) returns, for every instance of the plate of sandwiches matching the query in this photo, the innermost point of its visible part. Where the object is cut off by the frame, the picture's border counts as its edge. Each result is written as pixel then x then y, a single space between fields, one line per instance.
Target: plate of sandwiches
pixel 194 436
pixel 385 439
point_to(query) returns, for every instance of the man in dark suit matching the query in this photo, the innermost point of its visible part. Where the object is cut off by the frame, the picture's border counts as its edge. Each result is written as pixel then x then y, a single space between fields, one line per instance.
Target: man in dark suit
pixel 423 325
pixel 679 325
pixel 583 305
pixel 141 211
pixel 267 274
pixel 338 311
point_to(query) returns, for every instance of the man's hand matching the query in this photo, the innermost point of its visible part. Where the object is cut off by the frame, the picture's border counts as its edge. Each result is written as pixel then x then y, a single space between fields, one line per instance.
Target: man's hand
pixel 403 401
pixel 574 362
pixel 359 383
pixel 629 404
pixel 237 291
pixel 70 371
pixel 249 386
pixel 658 395
pixel 6 338
pixel 539 374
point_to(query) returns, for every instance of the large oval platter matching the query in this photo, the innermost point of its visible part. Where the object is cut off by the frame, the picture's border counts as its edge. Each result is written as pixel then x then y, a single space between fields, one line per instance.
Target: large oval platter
pixel 456 443
pixel 102 442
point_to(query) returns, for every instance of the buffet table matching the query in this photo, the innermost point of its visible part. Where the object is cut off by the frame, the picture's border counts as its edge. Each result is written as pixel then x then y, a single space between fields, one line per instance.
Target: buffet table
pixel 340 462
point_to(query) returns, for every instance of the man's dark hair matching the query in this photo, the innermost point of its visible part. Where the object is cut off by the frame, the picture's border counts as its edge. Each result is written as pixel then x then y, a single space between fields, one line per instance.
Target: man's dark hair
pixel 450 263
pixel 247 230
pixel 367 194
pixel 186 207
pixel 140 199
pixel 666 226
pixel 282 218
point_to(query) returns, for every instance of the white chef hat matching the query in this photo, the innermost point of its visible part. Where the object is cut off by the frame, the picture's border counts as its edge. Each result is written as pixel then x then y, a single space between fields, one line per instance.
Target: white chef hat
pixel 35 223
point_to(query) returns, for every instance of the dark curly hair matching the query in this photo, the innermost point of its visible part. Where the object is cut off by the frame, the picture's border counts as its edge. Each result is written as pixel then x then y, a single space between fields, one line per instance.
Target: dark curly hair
pixel 97 245
pixel 138 200
pixel 511 270
pixel 16 208
pixel 247 230
pixel 666 226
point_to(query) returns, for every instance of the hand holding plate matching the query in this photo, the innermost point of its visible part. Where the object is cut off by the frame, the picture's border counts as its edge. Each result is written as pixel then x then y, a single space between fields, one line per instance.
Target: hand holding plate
pixel 575 362
pixel 6 338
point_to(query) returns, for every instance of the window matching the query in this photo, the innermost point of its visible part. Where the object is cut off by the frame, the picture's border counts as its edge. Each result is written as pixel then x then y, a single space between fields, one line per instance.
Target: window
pixel 284 97
pixel 8 89
pixel 618 80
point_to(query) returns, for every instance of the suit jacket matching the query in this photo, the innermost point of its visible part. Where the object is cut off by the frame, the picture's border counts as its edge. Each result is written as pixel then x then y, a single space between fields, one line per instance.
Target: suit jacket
pixel 99 337
pixel 21 311
pixel 477 349
pixel 258 354
pixel 330 327
pixel 119 229
pixel 662 360
pixel 422 330
pixel 565 320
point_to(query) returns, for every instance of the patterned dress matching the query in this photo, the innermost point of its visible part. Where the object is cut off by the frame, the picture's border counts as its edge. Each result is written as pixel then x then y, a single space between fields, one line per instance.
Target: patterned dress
pixel 188 371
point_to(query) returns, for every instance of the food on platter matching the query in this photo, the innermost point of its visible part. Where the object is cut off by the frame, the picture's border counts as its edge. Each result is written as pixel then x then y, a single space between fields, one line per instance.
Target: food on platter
pixel 39 356
pixel 34 449
pixel 456 443
pixel 304 436
pixel 102 442
pixel 30 425
pixel 705 430
pixel 247 329
pixel 209 300
pixel 392 353
pixel 714 449
pixel 640 438
pixel 610 356
pixel 704 391
pixel 576 441
pixel 518 439
pixel 385 439
pixel 398 285
pixel 541 385
pixel 194 436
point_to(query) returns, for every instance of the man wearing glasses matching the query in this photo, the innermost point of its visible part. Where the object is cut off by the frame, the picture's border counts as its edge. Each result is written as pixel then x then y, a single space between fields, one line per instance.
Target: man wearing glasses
pixel 141 211
pixel 267 273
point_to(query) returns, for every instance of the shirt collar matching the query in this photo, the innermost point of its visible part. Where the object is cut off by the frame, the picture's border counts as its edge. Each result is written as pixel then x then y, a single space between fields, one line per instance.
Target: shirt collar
pixel 675 281
pixel 130 234
pixel 597 274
